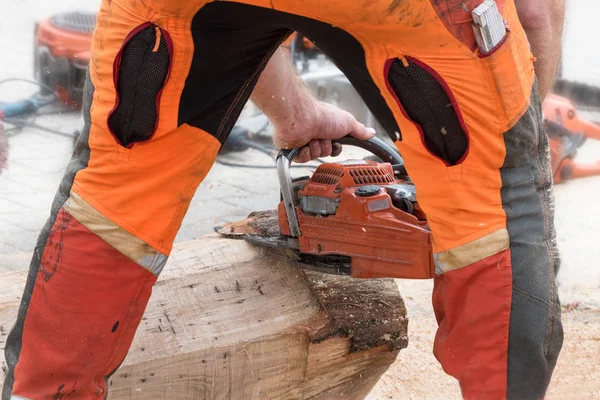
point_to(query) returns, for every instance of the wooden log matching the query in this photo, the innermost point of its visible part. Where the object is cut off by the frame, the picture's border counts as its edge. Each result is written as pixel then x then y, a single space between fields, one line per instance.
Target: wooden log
pixel 229 320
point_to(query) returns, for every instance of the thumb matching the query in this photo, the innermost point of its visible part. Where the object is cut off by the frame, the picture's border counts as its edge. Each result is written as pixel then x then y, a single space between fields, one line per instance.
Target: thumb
pixel 359 131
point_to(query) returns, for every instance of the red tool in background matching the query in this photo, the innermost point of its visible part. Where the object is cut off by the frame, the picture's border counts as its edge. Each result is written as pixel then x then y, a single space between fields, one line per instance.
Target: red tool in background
pixel 3 150
pixel 62 46
pixel 567 133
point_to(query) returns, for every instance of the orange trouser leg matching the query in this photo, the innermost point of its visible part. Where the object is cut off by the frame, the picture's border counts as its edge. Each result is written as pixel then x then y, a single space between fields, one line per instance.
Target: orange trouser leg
pixel 93 273
pixel 473 143
pixel 114 219
pixel 500 330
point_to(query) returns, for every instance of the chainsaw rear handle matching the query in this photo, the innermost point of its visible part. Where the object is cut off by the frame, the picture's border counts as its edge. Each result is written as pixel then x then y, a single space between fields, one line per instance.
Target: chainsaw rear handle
pixel 375 145
pixel 284 160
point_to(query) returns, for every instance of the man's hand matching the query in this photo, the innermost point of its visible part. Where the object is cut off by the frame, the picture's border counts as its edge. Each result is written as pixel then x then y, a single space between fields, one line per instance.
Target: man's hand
pixel 316 130
pixel 299 119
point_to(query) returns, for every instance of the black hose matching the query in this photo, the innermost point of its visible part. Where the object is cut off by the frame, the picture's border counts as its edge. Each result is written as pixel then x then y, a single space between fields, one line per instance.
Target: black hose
pixel 39 84
pixel 50 130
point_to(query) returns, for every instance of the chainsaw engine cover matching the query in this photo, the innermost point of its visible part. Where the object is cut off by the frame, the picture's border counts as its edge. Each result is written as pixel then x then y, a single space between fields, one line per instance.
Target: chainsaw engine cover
pixel 360 210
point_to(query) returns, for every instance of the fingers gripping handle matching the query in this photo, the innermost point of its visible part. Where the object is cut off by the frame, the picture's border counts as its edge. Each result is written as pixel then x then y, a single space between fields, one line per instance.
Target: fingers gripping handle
pixel 284 160
pixel 375 145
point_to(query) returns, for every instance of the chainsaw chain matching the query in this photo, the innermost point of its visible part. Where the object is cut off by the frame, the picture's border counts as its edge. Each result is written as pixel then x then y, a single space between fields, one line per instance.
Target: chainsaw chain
pixel 583 96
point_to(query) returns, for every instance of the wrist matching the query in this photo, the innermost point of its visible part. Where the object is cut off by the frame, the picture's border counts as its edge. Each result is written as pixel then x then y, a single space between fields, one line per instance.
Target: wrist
pixel 297 121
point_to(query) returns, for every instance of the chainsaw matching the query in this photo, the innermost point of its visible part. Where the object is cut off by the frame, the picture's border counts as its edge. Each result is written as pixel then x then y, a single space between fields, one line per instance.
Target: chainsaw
pixel 568 132
pixel 355 217
pixel 62 46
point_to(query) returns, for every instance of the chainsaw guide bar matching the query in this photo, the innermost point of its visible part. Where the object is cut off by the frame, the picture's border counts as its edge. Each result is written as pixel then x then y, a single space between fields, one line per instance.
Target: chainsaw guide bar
pixel 262 228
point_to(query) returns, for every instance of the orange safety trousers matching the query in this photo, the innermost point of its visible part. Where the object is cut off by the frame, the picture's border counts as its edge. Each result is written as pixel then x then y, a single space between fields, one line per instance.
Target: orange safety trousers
pixel 167 82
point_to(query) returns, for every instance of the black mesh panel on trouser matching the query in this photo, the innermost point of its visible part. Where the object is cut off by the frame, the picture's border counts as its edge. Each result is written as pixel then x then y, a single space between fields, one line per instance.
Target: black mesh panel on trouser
pixel 79 161
pixel 141 73
pixel 535 335
pixel 428 104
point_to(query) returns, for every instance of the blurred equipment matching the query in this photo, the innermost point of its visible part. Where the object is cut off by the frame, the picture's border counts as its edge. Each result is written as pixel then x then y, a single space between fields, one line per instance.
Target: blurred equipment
pixel 3 150
pixel 24 107
pixel 301 51
pixel 567 132
pixel 62 46
pixel 23 113
pixel 583 96
pixel 355 217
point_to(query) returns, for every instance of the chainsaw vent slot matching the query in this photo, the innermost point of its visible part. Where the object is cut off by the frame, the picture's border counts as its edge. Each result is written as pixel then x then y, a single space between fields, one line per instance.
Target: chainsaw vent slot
pixel 141 70
pixel 370 175
pixel 327 176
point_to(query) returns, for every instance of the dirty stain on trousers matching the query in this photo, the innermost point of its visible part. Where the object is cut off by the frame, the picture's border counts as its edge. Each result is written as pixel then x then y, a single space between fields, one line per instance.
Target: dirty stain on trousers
pixel 168 80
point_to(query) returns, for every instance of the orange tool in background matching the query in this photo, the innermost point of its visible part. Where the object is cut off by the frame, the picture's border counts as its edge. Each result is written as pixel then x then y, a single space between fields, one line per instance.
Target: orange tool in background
pixel 567 132
pixel 62 53
pixel 62 46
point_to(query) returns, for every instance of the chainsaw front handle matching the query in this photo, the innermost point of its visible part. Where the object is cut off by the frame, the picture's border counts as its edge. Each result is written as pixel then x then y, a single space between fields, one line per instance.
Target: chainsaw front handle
pixel 375 145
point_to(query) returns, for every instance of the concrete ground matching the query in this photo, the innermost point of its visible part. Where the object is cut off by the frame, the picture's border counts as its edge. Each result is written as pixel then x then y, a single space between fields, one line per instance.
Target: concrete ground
pixel 38 158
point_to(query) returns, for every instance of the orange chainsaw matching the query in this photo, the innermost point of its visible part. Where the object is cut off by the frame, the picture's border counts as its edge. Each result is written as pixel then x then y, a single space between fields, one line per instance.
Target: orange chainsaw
pixel 567 133
pixel 354 217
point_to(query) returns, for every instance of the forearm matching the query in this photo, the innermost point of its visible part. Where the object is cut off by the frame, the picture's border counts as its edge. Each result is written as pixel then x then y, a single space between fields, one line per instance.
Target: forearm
pixel 281 94
pixel 543 22
pixel 300 120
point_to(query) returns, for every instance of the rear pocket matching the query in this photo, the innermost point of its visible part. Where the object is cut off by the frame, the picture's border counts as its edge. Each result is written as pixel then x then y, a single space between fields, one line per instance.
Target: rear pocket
pixel 141 70
pixel 426 100
pixel 511 75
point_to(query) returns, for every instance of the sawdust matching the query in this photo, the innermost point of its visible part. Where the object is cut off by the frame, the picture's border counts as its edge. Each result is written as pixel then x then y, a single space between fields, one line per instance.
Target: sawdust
pixel 417 375
pixel 371 312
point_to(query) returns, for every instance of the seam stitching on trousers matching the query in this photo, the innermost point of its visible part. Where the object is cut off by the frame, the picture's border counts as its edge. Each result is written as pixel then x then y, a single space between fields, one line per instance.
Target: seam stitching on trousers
pixel 118 221
pixel 156 253
pixel 545 200
pixel 549 337
pixel 242 91
pixel 120 337
pixel 547 304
